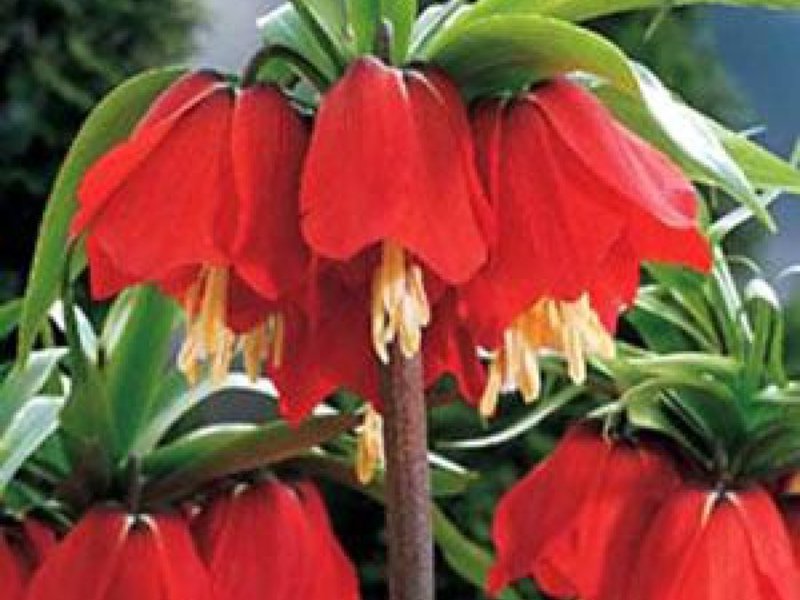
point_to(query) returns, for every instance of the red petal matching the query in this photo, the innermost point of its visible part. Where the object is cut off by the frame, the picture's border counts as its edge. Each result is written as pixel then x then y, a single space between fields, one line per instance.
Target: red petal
pixel 137 576
pixel 83 565
pixel 12 571
pixel 259 545
pixel 332 576
pixel 657 195
pixel 152 210
pixel 268 141
pixel 184 577
pixel 770 544
pixel 597 550
pixel 552 236
pixel 539 507
pixel 328 350
pixel 448 348
pixel 181 95
pixel 736 548
pixel 391 159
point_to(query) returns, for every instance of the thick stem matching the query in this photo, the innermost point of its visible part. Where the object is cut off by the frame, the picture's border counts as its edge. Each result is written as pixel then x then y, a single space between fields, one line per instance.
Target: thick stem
pixel 408 512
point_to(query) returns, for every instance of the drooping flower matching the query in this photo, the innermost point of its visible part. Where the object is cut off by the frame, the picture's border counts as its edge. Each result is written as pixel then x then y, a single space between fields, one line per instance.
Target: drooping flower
pixel 23 547
pixel 705 544
pixel 202 201
pixel 575 522
pixel 272 541
pixel 580 202
pixel 390 172
pixel 111 555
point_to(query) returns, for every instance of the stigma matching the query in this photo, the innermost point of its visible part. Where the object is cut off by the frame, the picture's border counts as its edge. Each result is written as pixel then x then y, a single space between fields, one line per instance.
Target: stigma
pixel 210 340
pixel 570 328
pixel 400 308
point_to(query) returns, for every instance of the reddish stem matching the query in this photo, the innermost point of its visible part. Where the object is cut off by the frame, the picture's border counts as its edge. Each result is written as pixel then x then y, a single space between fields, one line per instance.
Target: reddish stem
pixel 408 512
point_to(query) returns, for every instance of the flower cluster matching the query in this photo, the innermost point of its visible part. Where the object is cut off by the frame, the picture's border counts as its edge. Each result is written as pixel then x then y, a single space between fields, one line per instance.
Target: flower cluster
pixel 394 217
pixel 610 520
pixel 266 540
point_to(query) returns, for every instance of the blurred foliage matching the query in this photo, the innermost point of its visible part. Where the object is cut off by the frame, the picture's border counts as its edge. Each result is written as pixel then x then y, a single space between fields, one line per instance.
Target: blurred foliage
pixel 57 59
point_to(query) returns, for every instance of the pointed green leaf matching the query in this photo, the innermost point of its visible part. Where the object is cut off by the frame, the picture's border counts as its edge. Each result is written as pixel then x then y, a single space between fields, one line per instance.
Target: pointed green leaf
pixel 30 426
pixel 283 27
pixel 401 15
pixel 504 52
pixel 217 451
pixel 24 381
pixel 110 122
pixel 363 17
pixel 582 10
pixel 137 364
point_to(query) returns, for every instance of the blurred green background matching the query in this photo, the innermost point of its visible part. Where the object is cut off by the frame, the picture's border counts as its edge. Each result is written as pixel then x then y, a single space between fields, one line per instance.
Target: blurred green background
pixel 58 57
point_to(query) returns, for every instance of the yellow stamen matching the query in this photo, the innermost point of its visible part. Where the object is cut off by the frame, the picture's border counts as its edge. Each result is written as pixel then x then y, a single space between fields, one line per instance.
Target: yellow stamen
pixel 570 328
pixel 264 343
pixel 208 337
pixel 369 448
pixel 400 307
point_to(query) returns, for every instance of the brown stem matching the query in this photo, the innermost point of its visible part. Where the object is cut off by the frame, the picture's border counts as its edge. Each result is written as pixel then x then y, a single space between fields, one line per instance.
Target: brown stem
pixel 408 513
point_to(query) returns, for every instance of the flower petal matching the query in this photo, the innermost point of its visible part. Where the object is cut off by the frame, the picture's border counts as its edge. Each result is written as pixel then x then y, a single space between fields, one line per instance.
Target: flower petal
pixel 391 159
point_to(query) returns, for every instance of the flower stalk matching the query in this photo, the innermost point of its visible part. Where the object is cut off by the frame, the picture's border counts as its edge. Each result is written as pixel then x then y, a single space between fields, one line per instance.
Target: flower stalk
pixel 408 512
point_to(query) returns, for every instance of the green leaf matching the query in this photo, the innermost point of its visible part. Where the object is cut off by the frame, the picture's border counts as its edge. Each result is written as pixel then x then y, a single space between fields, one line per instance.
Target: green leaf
pixel 582 10
pixel 175 398
pixel 137 364
pixel 9 316
pixel 429 24
pixel 285 28
pixel 504 52
pixel 86 333
pixel 30 426
pixel 401 15
pixel 679 132
pixel 764 361
pixel 364 16
pixel 539 411
pixel 692 133
pixel 24 381
pixel 110 122
pixel 464 556
pixel 207 454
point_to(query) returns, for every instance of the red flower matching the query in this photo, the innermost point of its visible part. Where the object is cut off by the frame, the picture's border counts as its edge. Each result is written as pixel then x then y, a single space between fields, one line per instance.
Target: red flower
pixel 111 555
pixel 575 522
pixel 579 203
pixel 790 509
pixel 329 351
pixel 390 170
pixel 202 200
pixel 705 545
pixel 23 547
pixel 269 540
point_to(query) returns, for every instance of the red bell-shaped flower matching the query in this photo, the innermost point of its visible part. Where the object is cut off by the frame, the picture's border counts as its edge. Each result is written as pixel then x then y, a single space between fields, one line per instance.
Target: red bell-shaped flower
pixel 23 547
pixel 111 555
pixel 575 522
pixel 390 170
pixel 271 541
pixel 706 545
pixel 202 200
pixel 580 202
